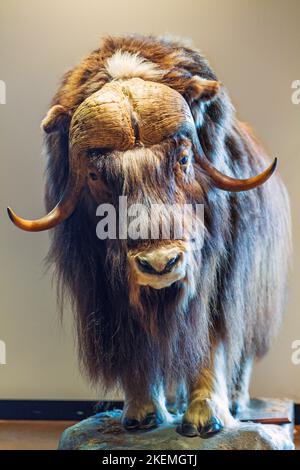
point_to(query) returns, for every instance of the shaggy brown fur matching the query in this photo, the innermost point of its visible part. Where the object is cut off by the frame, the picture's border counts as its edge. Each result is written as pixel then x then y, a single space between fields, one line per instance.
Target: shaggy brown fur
pixel 241 281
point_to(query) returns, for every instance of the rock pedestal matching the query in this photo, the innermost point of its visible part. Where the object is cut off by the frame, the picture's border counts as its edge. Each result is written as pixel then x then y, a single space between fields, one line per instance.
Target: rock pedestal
pixel 104 431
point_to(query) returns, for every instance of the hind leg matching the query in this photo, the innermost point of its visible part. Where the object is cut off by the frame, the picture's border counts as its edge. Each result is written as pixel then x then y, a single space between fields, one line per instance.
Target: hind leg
pixel 240 395
pixel 176 398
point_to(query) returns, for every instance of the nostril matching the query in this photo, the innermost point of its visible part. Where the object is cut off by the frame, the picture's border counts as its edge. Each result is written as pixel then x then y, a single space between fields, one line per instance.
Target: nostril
pixel 145 266
pixel 171 263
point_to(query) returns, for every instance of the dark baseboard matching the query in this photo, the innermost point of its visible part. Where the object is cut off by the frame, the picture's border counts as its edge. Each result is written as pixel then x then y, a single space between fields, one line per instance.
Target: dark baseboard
pixel 297 414
pixel 65 410
pixel 69 410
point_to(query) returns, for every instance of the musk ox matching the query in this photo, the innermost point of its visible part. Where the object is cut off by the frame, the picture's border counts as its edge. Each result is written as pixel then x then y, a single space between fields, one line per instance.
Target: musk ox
pixel 147 118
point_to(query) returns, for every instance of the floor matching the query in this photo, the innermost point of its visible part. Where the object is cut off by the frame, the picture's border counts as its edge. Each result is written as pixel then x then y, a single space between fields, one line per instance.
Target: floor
pixel 44 435
pixel 31 435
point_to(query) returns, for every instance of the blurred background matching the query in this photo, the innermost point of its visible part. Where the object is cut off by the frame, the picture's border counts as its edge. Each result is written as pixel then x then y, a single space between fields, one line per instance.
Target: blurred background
pixel 254 46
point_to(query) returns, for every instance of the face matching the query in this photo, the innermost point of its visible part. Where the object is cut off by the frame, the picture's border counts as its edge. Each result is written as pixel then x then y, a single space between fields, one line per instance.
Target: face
pixel 154 179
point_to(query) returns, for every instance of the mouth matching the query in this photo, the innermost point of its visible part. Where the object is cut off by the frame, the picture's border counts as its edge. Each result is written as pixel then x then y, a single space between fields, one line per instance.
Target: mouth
pixel 160 283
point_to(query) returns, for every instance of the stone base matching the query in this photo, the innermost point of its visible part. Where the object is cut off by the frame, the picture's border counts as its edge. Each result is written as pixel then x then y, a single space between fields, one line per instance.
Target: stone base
pixel 105 432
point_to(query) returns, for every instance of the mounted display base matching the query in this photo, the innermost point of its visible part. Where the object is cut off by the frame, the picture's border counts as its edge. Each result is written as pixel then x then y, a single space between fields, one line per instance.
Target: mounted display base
pixel 104 431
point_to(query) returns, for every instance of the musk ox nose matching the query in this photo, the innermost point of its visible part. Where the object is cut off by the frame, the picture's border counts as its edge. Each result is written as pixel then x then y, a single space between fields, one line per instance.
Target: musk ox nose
pixel 158 262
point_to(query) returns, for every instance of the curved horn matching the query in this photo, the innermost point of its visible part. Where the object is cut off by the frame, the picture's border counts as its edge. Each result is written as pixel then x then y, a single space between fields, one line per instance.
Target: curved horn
pixel 64 208
pixel 227 183
pixel 97 122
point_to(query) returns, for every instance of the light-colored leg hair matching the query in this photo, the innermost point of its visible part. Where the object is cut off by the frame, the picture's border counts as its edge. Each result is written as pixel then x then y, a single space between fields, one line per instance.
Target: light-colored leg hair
pixel 208 404
pixel 240 394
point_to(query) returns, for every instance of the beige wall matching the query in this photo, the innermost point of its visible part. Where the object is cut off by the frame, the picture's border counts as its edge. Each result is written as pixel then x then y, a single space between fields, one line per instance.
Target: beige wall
pixel 255 48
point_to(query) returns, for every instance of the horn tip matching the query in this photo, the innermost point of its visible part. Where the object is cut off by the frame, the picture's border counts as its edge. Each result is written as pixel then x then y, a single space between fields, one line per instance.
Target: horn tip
pixel 13 217
pixel 10 213
pixel 275 164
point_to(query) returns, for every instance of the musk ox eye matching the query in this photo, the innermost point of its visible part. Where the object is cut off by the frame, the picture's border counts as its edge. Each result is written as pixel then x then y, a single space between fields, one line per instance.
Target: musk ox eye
pixel 93 176
pixel 183 160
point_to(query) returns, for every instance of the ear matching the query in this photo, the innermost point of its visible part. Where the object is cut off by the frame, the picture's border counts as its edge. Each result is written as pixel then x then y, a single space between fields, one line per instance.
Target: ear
pixel 57 118
pixel 198 88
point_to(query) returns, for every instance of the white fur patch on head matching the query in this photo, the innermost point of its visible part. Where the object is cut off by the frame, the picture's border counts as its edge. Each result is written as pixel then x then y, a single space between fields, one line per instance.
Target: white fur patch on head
pixel 124 64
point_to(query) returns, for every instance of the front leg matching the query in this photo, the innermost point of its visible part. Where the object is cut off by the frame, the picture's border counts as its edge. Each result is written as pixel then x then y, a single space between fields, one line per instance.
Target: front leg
pixel 142 411
pixel 208 405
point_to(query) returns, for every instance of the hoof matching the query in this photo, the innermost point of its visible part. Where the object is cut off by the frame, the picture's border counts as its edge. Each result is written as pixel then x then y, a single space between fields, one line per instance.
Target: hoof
pixel 176 408
pixel 131 424
pixel 172 408
pixel 188 430
pixel 151 421
pixel 212 427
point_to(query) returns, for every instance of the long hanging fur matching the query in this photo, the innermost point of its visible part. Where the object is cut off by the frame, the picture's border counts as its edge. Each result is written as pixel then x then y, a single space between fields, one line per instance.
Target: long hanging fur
pixel 241 282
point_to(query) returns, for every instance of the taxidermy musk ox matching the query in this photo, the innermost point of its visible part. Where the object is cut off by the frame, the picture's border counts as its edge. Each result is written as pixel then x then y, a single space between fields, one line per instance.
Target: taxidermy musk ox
pixel 146 118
